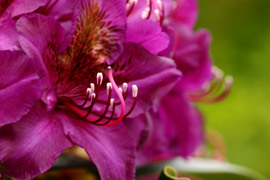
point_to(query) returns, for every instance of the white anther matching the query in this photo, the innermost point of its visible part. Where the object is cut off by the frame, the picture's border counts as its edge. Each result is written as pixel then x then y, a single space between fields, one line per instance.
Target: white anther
pixel 111 102
pixel 121 91
pixel 159 3
pixel 128 5
pixel 92 86
pixel 134 1
pixel 99 78
pixel 156 11
pixel 109 87
pixel 145 13
pixel 134 91
pixel 89 91
pixel 93 96
pixel 125 87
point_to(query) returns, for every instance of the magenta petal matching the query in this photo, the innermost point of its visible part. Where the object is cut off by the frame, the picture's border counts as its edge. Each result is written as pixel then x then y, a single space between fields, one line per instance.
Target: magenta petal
pixel 183 124
pixel 185 13
pixel 18 7
pixel 155 143
pixel 8 34
pixel 32 145
pixel 110 148
pixel 41 38
pixel 63 12
pixel 43 32
pixel 148 34
pixel 20 86
pixel 154 76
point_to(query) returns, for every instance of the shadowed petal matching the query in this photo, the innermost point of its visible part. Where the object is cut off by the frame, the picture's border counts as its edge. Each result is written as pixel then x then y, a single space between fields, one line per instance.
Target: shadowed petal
pixel 31 146
pixel 20 86
pixel 155 143
pixel 154 76
pixel 176 130
pixel 148 34
pixel 110 148
pixel 18 7
pixel 41 38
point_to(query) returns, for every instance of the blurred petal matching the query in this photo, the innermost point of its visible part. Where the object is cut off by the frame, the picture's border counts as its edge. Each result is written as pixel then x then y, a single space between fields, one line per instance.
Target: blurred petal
pixel 191 54
pixel 31 146
pixel 156 144
pixel 183 124
pixel 185 13
pixel 110 148
pixel 148 34
pixel 20 86
pixel 192 58
pixel 176 129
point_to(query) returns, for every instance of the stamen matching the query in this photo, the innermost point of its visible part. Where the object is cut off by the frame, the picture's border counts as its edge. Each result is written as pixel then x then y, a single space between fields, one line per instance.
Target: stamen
pixel 84 111
pixel 121 91
pixel 134 91
pixel 130 6
pixel 146 13
pixel 156 11
pixel 109 88
pixel 214 92
pixel 112 102
pixel 99 78
pixel 93 96
pixel 157 7
pixel 125 87
pixel 89 92
pixel 92 86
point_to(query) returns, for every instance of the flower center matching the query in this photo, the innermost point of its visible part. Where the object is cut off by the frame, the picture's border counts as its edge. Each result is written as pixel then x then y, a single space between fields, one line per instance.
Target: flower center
pixel 86 109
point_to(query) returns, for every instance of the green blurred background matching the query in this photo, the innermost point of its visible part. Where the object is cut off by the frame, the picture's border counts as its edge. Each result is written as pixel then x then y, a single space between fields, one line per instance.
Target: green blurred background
pixel 241 47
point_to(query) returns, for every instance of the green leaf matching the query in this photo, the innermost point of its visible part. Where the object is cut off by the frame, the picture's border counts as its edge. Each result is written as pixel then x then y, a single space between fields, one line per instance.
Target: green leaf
pixel 205 169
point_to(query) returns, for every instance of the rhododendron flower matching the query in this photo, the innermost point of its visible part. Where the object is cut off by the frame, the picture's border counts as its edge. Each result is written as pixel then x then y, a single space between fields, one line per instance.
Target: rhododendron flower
pixel 61 92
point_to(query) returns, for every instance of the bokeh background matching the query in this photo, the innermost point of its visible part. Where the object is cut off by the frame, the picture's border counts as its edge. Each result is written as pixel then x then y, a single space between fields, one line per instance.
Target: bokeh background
pixel 241 47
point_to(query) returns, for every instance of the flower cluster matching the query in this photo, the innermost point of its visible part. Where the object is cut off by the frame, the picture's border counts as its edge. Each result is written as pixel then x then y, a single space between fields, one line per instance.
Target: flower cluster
pixel 114 77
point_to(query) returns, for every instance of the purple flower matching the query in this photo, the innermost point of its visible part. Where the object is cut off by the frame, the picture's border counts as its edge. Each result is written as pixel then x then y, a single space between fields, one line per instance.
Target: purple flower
pixel 55 96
